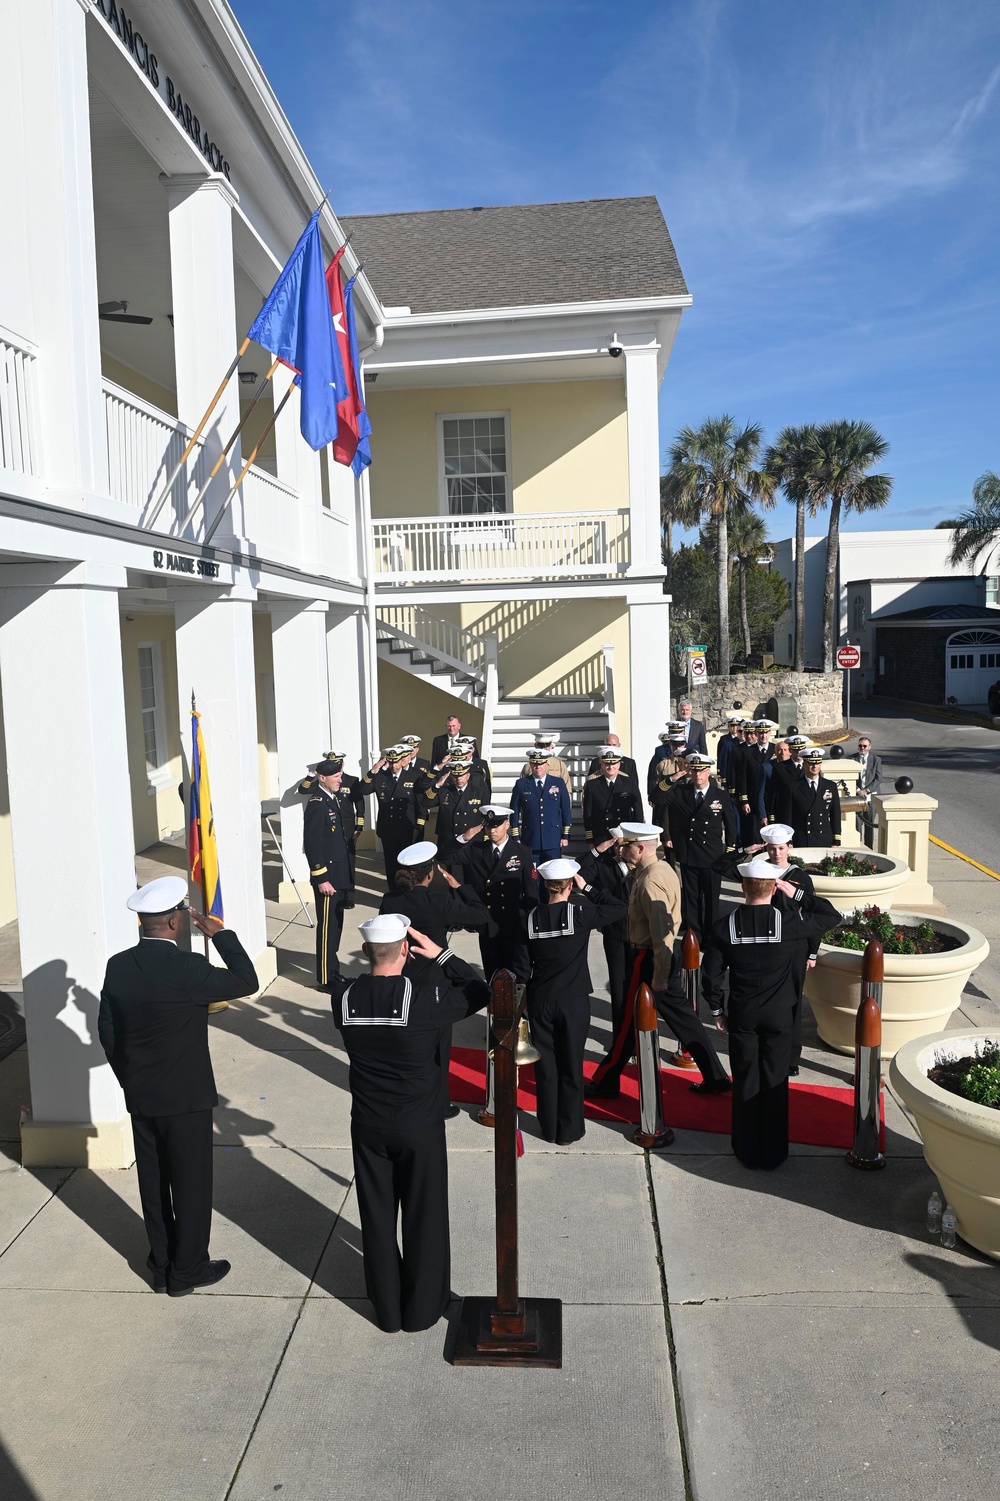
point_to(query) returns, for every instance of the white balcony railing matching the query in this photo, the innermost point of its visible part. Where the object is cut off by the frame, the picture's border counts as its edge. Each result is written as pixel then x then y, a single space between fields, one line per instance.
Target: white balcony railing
pixel 144 445
pixel 560 544
pixel 18 447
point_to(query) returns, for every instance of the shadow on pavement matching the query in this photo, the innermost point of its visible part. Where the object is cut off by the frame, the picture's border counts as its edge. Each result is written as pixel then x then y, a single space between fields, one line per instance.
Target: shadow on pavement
pixel 978 1301
pixel 13 1486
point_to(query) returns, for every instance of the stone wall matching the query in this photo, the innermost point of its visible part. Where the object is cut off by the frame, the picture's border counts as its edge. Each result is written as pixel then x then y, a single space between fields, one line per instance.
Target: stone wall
pixel 812 700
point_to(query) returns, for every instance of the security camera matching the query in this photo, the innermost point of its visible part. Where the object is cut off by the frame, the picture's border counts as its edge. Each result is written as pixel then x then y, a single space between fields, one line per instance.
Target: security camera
pixel 615 350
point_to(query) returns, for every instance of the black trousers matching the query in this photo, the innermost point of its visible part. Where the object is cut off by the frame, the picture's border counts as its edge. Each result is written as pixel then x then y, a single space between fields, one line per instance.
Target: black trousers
pixel 620 956
pixel 673 1010
pixel 329 927
pixel 444 1063
pixel 173 1162
pixel 700 888
pixel 760 1042
pixel 559 1031
pixel 505 951
pixel 397 838
pixel 402 1183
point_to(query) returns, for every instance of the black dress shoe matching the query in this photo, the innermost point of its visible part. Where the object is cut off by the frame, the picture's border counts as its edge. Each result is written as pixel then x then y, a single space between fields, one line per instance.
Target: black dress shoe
pixel 711 1086
pixel 793 1070
pixel 159 1284
pixel 452 1111
pixel 608 1089
pixel 214 1272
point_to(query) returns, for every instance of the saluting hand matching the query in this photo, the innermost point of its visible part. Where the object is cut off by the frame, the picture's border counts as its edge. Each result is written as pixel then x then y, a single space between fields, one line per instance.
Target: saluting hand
pixel 449 878
pixel 422 945
pixel 786 887
pixel 207 925
pixel 579 882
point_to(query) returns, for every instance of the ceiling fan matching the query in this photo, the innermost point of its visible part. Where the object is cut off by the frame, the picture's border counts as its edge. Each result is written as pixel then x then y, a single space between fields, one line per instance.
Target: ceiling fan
pixel 117 312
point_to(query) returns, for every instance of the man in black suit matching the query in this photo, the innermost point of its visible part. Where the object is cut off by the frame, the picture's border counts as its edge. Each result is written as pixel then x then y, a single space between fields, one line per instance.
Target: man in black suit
pixel 609 799
pixel 153 1025
pixel 501 871
pixel 694 729
pixel 444 745
pixel 869 784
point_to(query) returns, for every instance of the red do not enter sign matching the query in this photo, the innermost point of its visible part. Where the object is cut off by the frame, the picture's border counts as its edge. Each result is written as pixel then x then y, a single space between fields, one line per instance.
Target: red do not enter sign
pixel 848 657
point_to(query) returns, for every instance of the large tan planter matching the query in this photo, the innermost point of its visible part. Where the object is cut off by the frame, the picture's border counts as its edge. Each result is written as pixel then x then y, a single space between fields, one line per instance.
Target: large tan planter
pixel 919 993
pixel 848 892
pixel 961 1140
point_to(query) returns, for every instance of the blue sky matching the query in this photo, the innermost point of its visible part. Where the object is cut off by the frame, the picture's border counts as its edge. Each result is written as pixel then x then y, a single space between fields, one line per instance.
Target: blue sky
pixel 830 175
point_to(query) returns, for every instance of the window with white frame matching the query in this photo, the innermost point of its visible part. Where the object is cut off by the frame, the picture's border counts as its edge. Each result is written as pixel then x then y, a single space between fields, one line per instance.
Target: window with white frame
pixel 992 589
pixel 154 731
pixel 475 464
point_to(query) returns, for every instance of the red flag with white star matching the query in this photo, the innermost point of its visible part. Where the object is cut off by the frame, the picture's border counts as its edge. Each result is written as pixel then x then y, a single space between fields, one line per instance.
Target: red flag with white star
pixel 349 410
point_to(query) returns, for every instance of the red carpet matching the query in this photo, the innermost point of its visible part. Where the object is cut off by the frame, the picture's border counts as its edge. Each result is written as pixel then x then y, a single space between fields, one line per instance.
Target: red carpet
pixel 819 1115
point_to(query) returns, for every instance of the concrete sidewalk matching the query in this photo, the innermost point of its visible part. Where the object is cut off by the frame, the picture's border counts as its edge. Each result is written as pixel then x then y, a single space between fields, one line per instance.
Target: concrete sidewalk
pixel 771 1335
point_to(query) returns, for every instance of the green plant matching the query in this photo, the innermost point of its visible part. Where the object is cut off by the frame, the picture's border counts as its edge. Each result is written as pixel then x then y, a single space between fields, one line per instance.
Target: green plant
pixel 866 923
pixel 981 1085
pixel 847 864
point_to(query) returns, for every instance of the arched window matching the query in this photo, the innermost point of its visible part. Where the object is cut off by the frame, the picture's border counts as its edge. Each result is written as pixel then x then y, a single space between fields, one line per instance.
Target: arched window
pixel 972 664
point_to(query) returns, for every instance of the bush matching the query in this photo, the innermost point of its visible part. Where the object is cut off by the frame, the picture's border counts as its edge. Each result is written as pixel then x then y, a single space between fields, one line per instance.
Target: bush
pixel 896 938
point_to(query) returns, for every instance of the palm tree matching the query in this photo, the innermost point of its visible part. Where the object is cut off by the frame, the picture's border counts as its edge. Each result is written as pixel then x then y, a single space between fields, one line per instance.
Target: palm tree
pixel 791 461
pixel 748 544
pixel 714 469
pixel 978 529
pixel 845 452
pixel 676 509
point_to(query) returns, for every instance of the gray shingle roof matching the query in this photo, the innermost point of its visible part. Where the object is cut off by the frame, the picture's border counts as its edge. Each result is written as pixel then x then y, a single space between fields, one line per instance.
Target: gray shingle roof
pixel 441 260
pixel 932 613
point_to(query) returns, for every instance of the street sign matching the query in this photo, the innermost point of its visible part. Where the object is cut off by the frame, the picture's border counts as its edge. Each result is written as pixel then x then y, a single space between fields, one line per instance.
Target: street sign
pixel 848 657
pixel 699 669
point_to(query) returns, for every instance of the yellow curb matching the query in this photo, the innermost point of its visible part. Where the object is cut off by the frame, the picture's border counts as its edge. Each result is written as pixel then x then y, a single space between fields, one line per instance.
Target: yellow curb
pixel 967 858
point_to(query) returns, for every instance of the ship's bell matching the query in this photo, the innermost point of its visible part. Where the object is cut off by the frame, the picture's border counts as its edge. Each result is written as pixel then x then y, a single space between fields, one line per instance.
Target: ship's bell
pixel 525 1051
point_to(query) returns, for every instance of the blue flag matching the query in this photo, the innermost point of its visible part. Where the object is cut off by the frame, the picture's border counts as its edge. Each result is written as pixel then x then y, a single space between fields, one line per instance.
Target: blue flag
pixel 363 452
pixel 295 325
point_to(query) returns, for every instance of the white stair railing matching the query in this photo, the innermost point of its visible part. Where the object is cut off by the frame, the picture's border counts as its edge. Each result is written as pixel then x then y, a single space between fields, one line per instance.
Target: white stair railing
pixel 442 640
pixel 609 686
pixel 491 698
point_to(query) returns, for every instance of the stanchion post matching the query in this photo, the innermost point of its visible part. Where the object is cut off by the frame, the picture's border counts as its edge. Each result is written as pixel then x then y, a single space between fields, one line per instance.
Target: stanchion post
pixel 650 1133
pixel 866 1153
pixel 508 1329
pixel 487 1116
pixel 691 971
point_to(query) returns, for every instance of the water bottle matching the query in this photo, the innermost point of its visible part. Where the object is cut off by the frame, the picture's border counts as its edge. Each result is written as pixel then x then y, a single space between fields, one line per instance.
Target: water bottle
pixel 948 1228
pixel 935 1208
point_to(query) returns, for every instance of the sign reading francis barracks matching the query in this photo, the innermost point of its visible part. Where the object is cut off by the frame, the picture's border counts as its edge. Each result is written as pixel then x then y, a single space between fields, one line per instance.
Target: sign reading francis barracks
pixel 149 63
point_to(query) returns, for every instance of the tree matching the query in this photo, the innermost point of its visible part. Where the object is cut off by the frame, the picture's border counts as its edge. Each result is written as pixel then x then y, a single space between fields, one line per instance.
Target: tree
pixel 714 469
pixel 845 452
pixel 792 462
pixel 979 528
pixel 676 509
pixel 694 613
pixel 748 545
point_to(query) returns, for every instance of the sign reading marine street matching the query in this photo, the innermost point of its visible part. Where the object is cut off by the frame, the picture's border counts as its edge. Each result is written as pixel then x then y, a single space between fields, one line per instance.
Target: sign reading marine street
pixel 180 562
pixel 848 657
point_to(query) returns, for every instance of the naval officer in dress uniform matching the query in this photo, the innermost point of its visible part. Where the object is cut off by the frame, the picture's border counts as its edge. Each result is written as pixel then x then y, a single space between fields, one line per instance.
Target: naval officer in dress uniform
pixel 328 831
pixel 814 805
pixel 153 1026
pixel 501 871
pixel 608 798
pixel 403 803
pixel 543 815
pixel 760 946
pixel 558 992
pixel 701 822
pixel 391 1028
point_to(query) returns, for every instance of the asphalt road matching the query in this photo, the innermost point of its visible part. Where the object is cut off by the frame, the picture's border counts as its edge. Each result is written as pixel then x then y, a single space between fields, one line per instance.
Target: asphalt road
pixel 956 763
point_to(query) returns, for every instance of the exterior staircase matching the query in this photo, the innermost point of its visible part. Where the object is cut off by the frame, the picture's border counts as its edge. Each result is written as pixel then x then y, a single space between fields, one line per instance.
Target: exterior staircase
pixel 464 664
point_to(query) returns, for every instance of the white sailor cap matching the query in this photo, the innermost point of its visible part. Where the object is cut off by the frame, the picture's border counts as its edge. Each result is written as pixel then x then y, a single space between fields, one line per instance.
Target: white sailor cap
pixel 765 724
pixel 396 752
pixel 417 854
pixel 617 833
pixel 459 764
pixel 633 832
pixel 609 753
pixel 558 870
pixel 814 753
pixel 737 718
pixel 699 759
pixel 542 737
pixel 777 833
pixel 498 813
pixel 758 869
pixel 797 740
pixel 165 894
pixel 409 739
pixel 386 927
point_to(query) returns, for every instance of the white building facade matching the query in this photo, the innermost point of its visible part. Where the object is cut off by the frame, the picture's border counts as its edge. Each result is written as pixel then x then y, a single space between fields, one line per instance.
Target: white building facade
pixel 152 190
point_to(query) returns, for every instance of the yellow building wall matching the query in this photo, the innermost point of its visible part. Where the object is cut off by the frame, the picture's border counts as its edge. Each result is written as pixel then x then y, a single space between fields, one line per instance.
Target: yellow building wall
pixel 409 705
pixel 156 812
pixel 568 444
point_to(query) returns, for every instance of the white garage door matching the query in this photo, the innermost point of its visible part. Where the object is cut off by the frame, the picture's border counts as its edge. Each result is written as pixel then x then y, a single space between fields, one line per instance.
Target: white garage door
pixel 972 664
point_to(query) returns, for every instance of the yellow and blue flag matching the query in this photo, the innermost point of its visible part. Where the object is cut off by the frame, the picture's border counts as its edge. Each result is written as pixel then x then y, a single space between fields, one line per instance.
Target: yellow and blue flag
pixel 203 850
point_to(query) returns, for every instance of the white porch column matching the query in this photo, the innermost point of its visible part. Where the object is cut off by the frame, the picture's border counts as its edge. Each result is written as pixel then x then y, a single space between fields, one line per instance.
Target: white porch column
pixel 48 265
pixel 203 290
pixel 349 679
pixel 302 721
pixel 74 862
pixel 649 676
pixel 215 660
pixel 641 393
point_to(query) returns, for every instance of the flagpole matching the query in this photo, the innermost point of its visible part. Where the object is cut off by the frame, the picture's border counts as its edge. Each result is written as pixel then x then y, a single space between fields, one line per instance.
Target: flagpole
pixel 192 508
pixel 158 504
pixel 242 475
